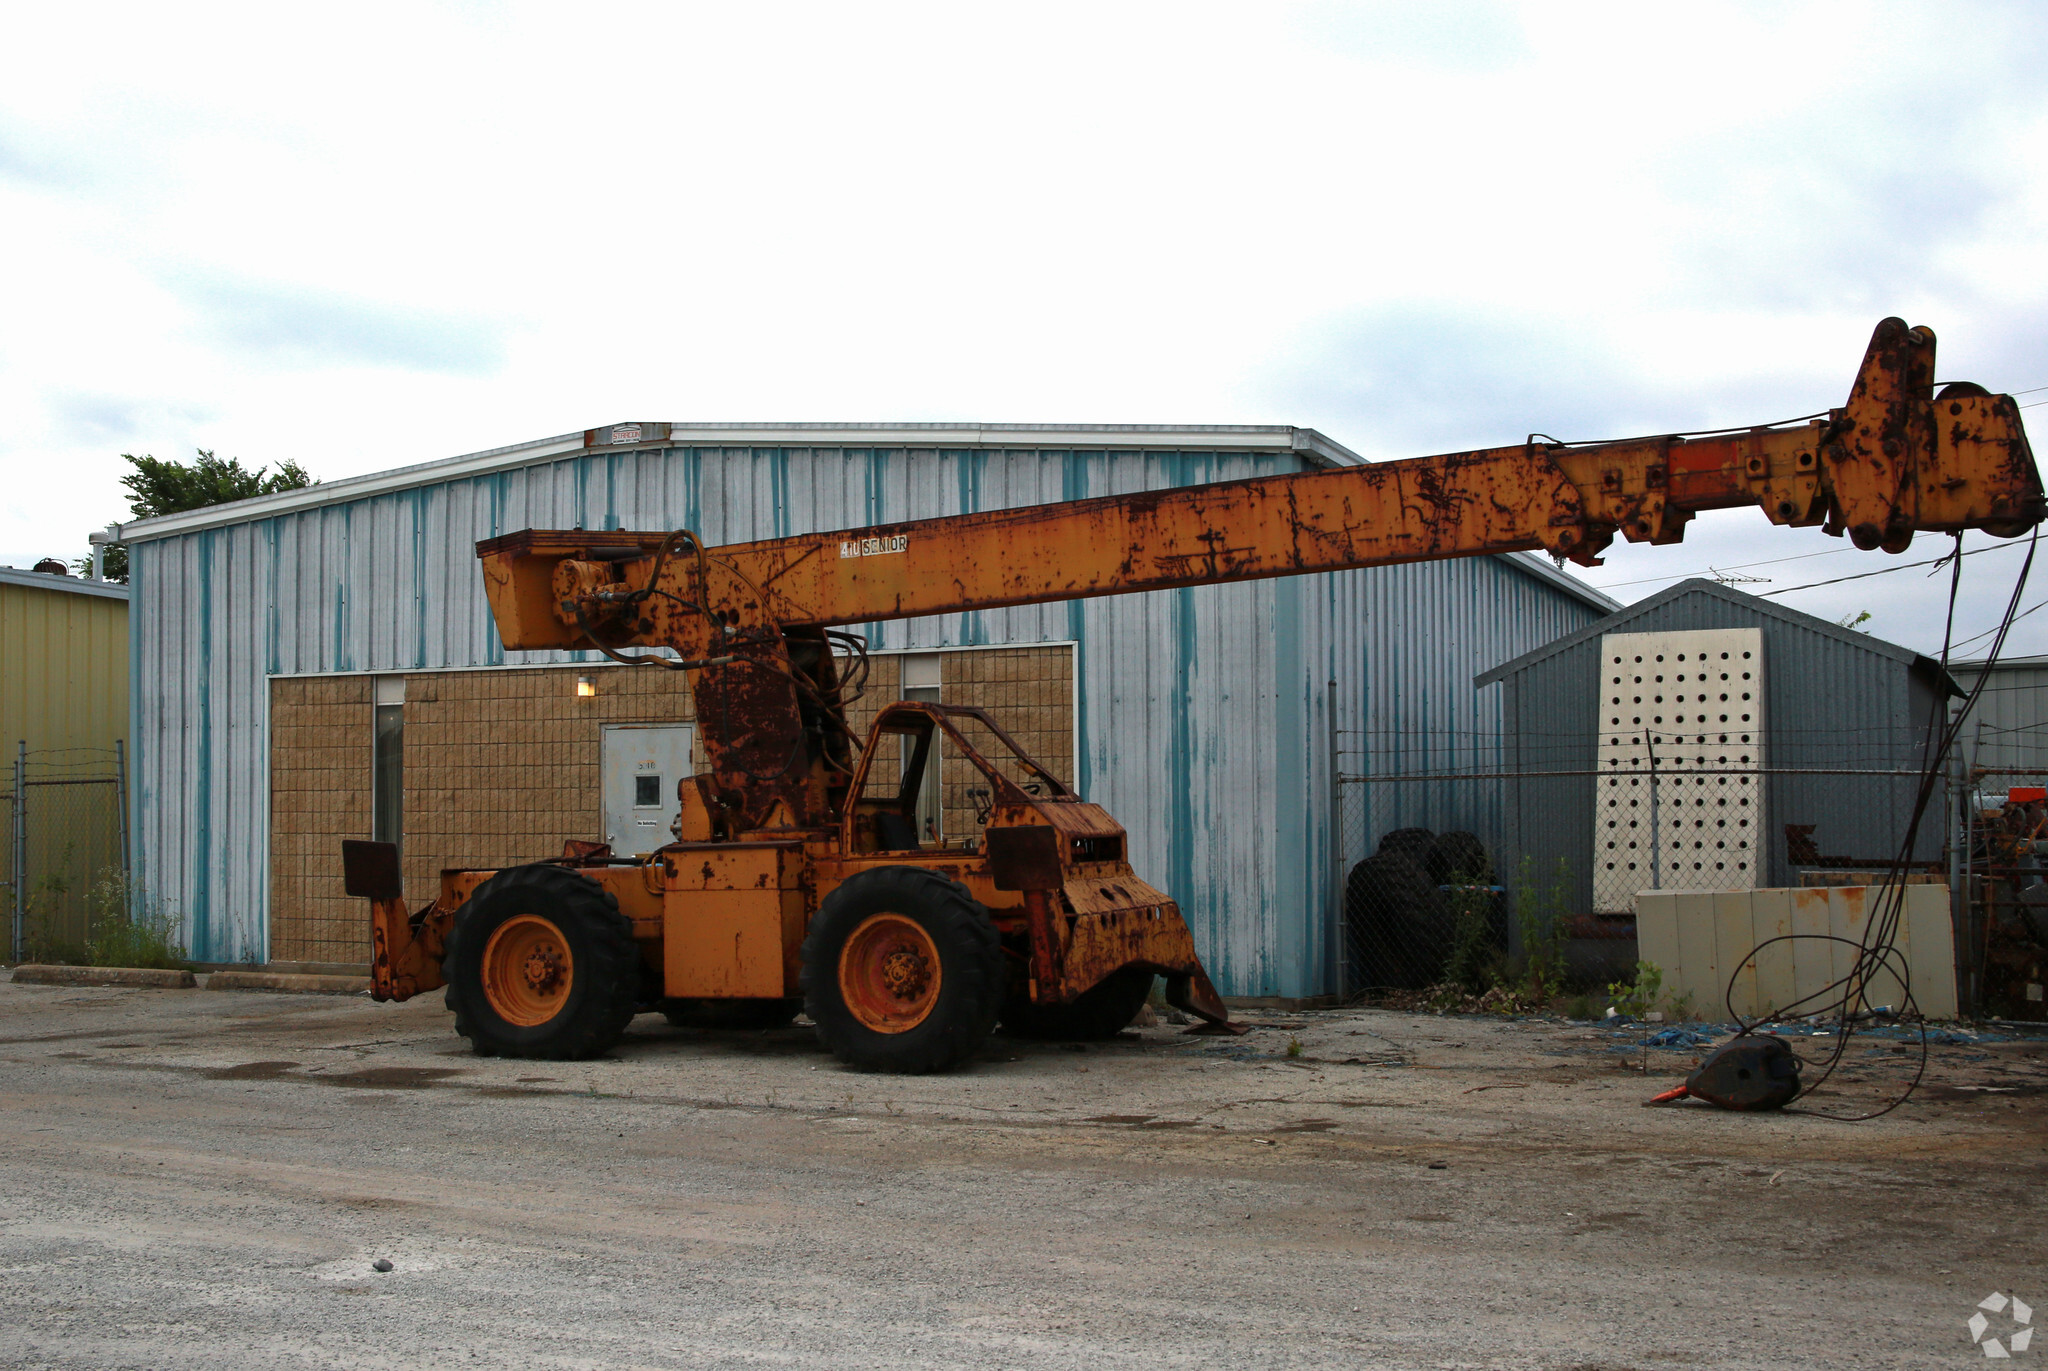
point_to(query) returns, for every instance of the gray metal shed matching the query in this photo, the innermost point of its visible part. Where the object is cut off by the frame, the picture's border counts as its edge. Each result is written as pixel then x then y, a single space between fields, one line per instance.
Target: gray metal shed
pixel 1204 717
pixel 2007 731
pixel 1835 701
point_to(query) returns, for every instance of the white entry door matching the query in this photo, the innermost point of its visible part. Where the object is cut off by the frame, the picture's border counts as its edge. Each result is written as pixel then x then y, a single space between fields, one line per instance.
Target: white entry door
pixel 642 764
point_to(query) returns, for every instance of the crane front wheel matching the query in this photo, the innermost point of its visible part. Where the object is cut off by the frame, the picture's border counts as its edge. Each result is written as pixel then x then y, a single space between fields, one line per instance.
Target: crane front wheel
pixel 902 971
pixel 541 963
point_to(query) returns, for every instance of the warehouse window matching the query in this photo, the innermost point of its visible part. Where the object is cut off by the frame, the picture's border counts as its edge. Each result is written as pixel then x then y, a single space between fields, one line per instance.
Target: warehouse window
pixel 921 682
pixel 387 763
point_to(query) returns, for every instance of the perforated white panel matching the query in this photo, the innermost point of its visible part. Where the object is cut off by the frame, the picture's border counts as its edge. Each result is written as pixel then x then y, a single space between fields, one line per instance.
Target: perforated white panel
pixel 1678 711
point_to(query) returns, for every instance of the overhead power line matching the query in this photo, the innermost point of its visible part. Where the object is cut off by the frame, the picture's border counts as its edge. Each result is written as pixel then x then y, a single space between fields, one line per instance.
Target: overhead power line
pixel 1902 566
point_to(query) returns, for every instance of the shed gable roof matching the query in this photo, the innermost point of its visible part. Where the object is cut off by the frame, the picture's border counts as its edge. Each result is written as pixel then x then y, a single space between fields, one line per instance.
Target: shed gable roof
pixel 1627 620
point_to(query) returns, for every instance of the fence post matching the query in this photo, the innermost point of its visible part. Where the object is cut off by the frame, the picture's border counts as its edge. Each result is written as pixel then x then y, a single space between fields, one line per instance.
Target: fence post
pixel 1656 851
pixel 121 803
pixel 20 836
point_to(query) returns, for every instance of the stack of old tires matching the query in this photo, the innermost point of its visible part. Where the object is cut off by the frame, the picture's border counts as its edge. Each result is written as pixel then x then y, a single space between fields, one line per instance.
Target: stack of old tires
pixel 1400 923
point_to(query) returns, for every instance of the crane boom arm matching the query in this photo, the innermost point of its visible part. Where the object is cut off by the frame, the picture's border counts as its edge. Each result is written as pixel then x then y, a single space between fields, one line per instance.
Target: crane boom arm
pixel 749 618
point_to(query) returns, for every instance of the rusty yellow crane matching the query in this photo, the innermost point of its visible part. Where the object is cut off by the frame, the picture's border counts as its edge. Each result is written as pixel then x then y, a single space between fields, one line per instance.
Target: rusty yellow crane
pixel 798 877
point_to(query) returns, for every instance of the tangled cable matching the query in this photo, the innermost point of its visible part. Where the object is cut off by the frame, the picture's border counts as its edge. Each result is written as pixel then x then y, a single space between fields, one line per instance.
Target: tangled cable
pixel 823 695
pixel 1846 1000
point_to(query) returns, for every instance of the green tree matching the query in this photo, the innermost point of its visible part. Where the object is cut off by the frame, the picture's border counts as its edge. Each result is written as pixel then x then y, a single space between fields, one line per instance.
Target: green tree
pixel 157 487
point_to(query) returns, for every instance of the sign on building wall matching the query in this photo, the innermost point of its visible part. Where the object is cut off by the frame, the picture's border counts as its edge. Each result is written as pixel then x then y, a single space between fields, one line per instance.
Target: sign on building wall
pixel 1679 799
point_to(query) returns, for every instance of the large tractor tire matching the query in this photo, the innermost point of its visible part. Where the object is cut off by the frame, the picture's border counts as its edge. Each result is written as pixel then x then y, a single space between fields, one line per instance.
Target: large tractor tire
pixel 1459 858
pixel 1398 924
pixel 902 972
pixel 541 964
pixel 749 1014
pixel 1412 843
pixel 1102 1012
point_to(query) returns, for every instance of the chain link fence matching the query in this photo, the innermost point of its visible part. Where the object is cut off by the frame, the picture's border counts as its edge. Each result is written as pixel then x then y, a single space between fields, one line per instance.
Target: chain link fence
pixel 1425 876
pixel 2002 909
pixel 1450 871
pixel 65 860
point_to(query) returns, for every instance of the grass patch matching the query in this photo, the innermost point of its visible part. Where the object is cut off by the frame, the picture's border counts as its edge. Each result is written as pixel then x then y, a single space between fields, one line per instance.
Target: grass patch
pixel 124 927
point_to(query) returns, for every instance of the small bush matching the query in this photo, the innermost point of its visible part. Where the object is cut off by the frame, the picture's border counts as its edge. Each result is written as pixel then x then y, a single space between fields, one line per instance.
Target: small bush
pixel 43 937
pixel 1544 917
pixel 1474 962
pixel 1639 996
pixel 126 927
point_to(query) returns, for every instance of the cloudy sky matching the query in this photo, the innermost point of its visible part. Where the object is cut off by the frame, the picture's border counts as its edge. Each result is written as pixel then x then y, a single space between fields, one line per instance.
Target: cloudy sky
pixel 363 236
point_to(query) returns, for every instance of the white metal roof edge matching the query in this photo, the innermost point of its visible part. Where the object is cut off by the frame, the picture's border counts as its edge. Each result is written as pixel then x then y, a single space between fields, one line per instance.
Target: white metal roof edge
pixel 1543 569
pixel 44 580
pixel 2003 664
pixel 1698 585
pixel 1311 445
pixel 348 488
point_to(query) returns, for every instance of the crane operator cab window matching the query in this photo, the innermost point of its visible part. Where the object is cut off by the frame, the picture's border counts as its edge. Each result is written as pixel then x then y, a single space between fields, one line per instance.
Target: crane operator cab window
pixel 909 802
pixel 900 773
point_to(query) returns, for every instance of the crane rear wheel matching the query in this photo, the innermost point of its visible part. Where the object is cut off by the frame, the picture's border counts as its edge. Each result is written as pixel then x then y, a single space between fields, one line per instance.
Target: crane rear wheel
pixel 902 971
pixel 541 963
pixel 1103 1011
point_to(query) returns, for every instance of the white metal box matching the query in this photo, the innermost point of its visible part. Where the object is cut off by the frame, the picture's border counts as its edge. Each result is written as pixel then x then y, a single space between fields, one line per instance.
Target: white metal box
pixel 1702 939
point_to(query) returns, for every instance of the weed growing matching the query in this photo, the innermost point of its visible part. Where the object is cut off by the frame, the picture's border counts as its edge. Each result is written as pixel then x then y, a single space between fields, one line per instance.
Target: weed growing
pixel 124 926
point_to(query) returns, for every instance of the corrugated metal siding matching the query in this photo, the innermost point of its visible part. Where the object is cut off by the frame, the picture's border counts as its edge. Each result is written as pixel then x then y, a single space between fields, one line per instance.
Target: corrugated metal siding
pixel 2009 726
pixel 1407 643
pixel 1828 703
pixel 63 670
pixel 1204 713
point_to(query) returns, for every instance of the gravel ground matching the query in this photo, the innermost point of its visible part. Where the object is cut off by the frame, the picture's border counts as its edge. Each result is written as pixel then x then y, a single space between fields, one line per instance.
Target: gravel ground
pixel 197 1179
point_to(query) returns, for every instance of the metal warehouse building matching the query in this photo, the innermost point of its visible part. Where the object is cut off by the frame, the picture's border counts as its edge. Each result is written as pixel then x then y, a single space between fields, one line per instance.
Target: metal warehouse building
pixel 320 664
pixel 63 722
pixel 2007 733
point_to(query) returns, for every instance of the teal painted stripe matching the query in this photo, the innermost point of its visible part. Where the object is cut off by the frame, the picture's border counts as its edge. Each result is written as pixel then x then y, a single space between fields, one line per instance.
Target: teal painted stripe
pixel 274 559
pixel 1283 958
pixel 419 576
pixel 1074 486
pixel 693 490
pixel 344 627
pixel 971 467
pixel 142 815
pixel 497 490
pixel 778 485
pixel 199 804
pixel 1180 834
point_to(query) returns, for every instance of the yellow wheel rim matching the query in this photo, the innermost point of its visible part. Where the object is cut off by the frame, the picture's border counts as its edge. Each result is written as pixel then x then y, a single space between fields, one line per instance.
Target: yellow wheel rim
pixel 889 973
pixel 528 970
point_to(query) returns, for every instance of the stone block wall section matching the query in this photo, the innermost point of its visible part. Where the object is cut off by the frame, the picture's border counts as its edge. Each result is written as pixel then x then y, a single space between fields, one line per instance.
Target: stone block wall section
pixel 320 739
pixel 1028 690
pixel 503 766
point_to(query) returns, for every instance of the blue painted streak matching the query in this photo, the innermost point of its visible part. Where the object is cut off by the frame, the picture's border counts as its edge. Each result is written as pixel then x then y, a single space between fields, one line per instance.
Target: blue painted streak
pixel 199 803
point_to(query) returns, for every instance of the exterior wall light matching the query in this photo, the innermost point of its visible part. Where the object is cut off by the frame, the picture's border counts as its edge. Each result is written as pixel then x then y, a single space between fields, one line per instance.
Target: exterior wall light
pixel 585 687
